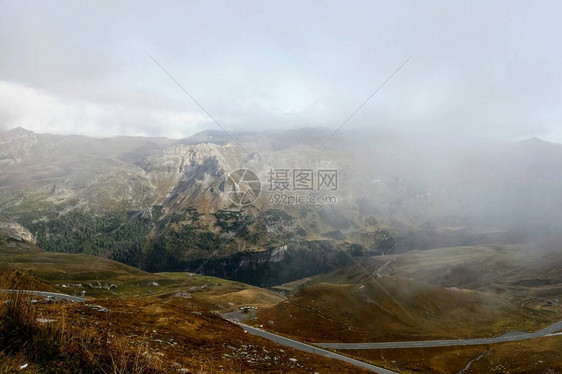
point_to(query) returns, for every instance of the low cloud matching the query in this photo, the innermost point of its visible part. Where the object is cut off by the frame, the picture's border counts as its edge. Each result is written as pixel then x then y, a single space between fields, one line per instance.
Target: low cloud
pixel 480 69
pixel 42 112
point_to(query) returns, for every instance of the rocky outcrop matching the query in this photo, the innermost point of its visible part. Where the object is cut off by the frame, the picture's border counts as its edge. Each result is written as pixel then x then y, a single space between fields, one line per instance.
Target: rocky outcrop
pixel 15 230
pixel 15 145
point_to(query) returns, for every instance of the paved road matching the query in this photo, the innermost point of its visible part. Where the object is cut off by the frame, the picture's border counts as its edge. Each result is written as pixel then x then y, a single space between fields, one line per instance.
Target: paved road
pixel 552 330
pixel 252 330
pixel 509 337
pixel 52 295
pixel 310 348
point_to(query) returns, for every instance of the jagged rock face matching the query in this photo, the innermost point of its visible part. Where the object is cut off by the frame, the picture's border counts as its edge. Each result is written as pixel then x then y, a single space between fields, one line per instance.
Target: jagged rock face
pixel 183 174
pixel 383 183
pixel 124 194
pixel 175 159
pixel 15 230
pixel 133 173
pixel 15 145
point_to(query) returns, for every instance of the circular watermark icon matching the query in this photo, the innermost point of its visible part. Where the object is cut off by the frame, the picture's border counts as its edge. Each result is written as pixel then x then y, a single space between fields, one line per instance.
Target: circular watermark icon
pixel 242 186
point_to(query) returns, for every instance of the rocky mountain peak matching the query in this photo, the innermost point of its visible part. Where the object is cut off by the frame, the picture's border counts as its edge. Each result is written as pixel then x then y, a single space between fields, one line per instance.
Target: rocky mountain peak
pixel 15 145
pixel 18 130
pixel 180 157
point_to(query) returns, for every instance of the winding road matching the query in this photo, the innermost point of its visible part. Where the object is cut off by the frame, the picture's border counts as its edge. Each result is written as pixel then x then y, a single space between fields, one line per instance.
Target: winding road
pixel 509 337
pixel 51 295
pixel 310 348
pixel 252 330
pixel 320 348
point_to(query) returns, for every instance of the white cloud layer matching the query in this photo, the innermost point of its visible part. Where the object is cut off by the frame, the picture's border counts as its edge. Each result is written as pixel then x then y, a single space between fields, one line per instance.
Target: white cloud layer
pixel 45 113
pixel 481 68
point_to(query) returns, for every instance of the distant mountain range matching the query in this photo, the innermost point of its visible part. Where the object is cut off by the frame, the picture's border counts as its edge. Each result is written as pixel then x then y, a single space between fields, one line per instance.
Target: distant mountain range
pixel 163 204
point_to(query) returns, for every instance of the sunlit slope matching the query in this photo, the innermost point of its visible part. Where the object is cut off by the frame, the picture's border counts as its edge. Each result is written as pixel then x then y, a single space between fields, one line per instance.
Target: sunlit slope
pixel 99 277
pixel 51 266
pixel 390 308
pixel 529 275
pixel 445 292
pixel 130 335
pixel 536 356
pixel 479 267
pixel 523 273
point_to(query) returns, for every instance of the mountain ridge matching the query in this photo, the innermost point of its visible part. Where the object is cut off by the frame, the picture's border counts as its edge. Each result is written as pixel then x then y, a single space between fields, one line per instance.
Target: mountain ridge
pixel 161 204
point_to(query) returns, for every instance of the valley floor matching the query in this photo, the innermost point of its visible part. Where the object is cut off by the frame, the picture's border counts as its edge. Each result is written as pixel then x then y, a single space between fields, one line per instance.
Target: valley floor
pixel 168 322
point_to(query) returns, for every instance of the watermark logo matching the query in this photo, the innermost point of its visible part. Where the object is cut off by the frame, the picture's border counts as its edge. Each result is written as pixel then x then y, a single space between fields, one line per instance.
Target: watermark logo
pixel 284 186
pixel 242 186
pixel 301 186
pixel 302 180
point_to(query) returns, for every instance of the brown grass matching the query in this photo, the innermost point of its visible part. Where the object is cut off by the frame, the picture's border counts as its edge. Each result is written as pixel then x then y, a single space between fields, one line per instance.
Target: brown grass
pixel 15 279
pixel 138 336
pixel 61 346
pixel 540 356
pixel 417 311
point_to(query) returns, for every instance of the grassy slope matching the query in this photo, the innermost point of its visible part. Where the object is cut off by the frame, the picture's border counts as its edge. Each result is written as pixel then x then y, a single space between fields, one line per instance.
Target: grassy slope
pixel 515 270
pixel 517 278
pixel 144 312
pixel 473 267
pixel 346 311
pixel 138 336
pixel 526 276
pixel 530 357
pixel 58 269
pixel 365 312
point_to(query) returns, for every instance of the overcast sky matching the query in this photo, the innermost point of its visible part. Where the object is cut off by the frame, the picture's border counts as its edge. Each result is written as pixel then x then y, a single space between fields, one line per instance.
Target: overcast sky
pixel 488 69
